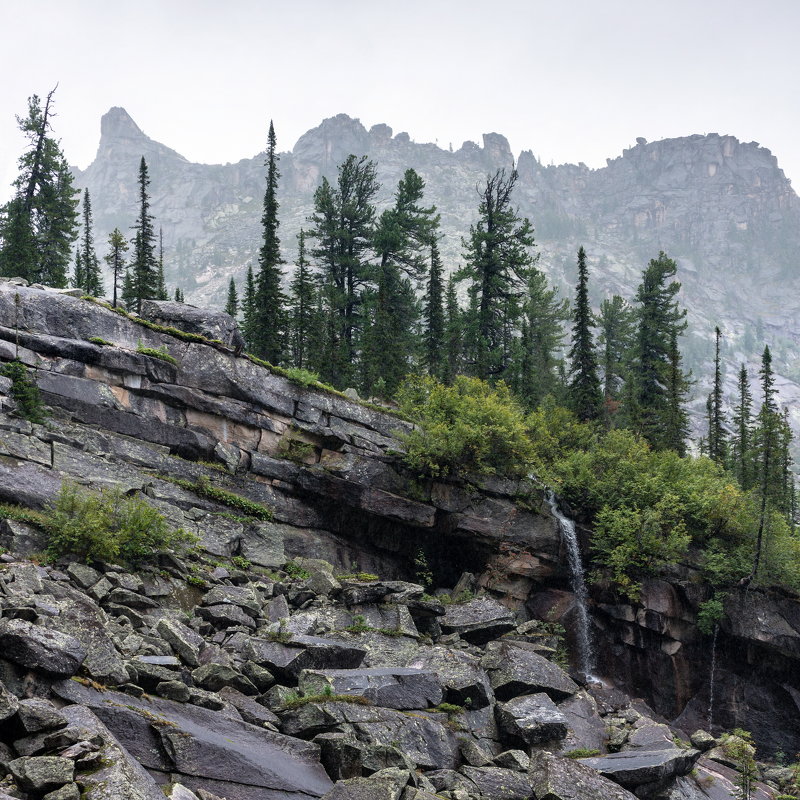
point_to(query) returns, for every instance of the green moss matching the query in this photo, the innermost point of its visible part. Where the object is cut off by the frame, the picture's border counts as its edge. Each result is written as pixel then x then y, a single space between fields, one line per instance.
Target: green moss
pixel 204 488
pixel 99 340
pixel 20 514
pixel 358 576
pixel 582 752
pixel 161 354
pixel 298 702
pixel 240 562
pixel 294 570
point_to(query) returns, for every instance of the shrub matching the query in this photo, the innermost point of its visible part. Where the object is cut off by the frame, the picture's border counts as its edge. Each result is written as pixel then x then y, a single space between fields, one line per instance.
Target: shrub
pixel 204 488
pixel 710 613
pixel 469 427
pixel 108 525
pixel 24 391
pixel 303 377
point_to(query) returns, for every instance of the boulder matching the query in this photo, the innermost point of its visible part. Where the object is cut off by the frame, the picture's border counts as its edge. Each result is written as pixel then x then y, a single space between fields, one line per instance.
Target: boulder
pixel 37 714
pixel 190 319
pixel 515 668
pixel 532 718
pixel 464 680
pixel 185 642
pixel 303 652
pixel 41 774
pixel 554 778
pixel 40 649
pixel 389 687
pixel 496 783
pixel 479 620
pixel 633 768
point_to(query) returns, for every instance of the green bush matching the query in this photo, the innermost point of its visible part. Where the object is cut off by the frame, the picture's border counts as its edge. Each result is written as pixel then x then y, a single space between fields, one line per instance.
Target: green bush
pixel 24 391
pixel 469 427
pixel 709 613
pixel 204 488
pixel 108 526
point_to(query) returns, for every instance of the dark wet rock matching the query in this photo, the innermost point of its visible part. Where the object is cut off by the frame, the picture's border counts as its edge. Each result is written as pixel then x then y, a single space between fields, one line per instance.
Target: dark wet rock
pixel 515 668
pixel 634 768
pixel 40 649
pixel 517 760
pixel 214 676
pixel 184 641
pixel 496 783
pixel 554 778
pixel 226 616
pixel 251 711
pixel 259 676
pixel 365 789
pixel 206 750
pixel 461 674
pixel 479 620
pixel 243 597
pixel 532 718
pixel 303 652
pixel 41 774
pixel 586 728
pixel 37 714
pixel 398 688
pixel 173 690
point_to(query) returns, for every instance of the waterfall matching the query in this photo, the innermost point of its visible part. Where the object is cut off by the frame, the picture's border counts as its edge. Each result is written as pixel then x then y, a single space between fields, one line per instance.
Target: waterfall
pixel 711 681
pixel 570 538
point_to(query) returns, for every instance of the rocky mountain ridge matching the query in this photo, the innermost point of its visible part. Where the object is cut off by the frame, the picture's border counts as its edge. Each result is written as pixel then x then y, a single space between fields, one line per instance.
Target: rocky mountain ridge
pixel 300 656
pixel 721 207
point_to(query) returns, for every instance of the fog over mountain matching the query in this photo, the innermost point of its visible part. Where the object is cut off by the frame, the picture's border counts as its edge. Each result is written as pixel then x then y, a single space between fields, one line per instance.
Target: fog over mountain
pixel 721 207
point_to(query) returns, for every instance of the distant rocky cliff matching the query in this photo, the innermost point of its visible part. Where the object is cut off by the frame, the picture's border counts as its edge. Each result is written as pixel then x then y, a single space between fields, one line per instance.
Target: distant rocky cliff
pixel 721 207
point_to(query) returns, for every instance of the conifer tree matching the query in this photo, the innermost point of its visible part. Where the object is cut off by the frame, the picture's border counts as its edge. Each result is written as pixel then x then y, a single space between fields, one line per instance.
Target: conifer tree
pixel 498 264
pixel 717 436
pixel 92 281
pixel 115 259
pixel 178 295
pixel 161 292
pixel 435 344
pixel 741 445
pixel 142 280
pixel 232 303
pixel 39 224
pixel 660 384
pixel 78 276
pixel 249 308
pixel 269 321
pixel 584 386
pixel 539 368
pixel 343 227
pixel 617 325
pixel 453 333
pixel 304 315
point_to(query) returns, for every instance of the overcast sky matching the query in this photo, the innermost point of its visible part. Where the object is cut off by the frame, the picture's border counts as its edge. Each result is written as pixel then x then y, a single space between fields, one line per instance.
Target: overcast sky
pixel 571 80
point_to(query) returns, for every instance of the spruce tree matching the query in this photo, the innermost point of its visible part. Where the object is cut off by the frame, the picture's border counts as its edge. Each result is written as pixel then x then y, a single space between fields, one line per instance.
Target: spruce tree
pixel 178 295
pixel 742 444
pixel 583 391
pixel 269 311
pixel 454 333
pixel 433 309
pixel 617 325
pixel 660 384
pixel 78 276
pixel 538 367
pixel 115 258
pixel 249 308
pixel 717 436
pixel 142 280
pixel 161 291
pixel 498 264
pixel 232 303
pixel 302 305
pixel 92 281
pixel 343 228
pixel 39 224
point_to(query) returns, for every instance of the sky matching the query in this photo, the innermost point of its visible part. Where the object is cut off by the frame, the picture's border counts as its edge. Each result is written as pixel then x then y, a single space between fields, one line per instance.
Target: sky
pixel 571 80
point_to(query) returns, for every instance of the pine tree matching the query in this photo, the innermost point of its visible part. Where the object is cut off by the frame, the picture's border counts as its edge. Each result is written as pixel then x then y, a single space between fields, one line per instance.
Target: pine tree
pixel 179 295
pixel 303 311
pixel 92 281
pixel 343 220
pixel 39 224
pixel 433 309
pixel 79 275
pixel 584 386
pixel 269 320
pixel 115 258
pixel 660 384
pixel 717 436
pixel 454 333
pixel 232 303
pixel 142 279
pixel 249 308
pixel 617 325
pixel 742 444
pixel 498 263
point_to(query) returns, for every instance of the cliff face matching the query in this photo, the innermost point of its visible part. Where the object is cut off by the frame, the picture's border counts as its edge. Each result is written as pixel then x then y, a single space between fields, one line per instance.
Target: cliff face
pixel 328 469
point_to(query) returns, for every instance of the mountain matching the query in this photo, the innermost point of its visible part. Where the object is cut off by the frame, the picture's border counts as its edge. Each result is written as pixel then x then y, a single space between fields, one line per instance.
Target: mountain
pixel 722 208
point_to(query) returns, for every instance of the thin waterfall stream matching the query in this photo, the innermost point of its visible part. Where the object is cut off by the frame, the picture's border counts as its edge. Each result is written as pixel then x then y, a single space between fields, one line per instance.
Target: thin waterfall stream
pixel 569 536
pixel 711 680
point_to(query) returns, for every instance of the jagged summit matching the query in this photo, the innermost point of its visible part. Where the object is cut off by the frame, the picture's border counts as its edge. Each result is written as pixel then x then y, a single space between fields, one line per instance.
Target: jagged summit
pixel 117 123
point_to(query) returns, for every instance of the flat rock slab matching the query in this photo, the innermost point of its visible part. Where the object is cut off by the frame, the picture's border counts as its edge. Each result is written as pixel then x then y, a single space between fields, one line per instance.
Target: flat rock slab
pixel 515 668
pixel 206 750
pixel 400 688
pixel 635 767
pixel 478 621
pixel 533 718
pixel 554 778
pixel 289 659
pixel 466 682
